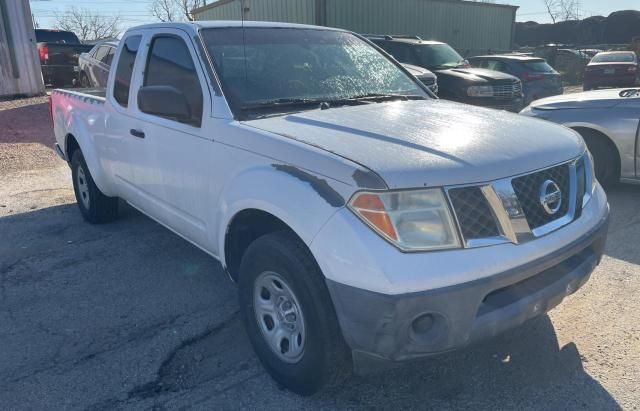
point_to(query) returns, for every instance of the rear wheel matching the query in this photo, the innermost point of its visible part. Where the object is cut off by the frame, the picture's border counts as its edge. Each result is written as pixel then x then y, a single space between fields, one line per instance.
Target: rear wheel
pixel 95 207
pixel 288 314
pixel 605 157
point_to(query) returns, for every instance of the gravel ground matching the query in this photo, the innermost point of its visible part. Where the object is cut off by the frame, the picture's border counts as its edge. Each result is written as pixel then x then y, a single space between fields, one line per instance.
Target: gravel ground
pixel 129 316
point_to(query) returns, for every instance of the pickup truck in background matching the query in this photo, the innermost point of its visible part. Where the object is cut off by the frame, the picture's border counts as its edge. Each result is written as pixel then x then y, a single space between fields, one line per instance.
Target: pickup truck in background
pixel 59 51
pixel 365 221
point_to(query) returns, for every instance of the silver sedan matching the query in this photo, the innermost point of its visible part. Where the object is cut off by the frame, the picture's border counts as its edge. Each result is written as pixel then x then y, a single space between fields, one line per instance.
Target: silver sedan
pixel 609 122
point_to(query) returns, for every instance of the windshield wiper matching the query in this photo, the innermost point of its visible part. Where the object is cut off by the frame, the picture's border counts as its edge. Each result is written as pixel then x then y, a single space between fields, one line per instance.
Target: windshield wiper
pixel 378 97
pixel 281 102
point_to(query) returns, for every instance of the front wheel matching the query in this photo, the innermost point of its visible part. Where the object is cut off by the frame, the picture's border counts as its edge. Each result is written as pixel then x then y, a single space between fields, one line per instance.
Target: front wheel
pixel 605 158
pixel 288 314
pixel 95 207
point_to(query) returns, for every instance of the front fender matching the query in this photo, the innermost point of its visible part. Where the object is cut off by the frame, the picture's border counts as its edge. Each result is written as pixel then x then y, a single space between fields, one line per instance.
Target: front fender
pixel 303 200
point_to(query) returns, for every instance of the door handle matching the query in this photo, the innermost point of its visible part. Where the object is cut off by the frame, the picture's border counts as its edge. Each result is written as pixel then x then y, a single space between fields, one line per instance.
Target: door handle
pixel 137 133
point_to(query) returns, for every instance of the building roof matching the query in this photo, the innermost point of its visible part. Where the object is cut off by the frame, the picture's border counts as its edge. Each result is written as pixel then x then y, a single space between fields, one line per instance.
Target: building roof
pixel 219 3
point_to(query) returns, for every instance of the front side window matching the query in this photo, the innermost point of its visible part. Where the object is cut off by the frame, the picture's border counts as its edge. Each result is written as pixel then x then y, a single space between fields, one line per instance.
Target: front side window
pixel 109 57
pixel 265 67
pixel 124 71
pixel 170 64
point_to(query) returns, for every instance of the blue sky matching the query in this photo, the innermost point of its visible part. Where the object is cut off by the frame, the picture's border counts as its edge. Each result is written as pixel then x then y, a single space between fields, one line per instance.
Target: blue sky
pixel 135 12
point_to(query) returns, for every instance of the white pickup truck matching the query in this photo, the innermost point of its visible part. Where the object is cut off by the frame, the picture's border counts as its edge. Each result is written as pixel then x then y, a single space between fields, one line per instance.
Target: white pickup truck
pixel 362 218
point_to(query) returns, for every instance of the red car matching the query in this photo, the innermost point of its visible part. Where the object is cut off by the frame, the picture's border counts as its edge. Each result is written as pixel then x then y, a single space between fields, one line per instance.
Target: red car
pixel 612 69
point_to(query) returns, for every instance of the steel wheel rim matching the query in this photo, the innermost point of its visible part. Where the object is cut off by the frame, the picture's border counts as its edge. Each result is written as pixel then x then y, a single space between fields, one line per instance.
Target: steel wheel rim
pixel 83 187
pixel 279 316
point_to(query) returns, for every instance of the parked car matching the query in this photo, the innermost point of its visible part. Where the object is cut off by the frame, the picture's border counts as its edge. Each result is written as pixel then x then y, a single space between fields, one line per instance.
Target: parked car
pixel 425 76
pixel 538 78
pixel 59 51
pixel 457 81
pixel 608 120
pixel 612 69
pixel 362 218
pixel 94 65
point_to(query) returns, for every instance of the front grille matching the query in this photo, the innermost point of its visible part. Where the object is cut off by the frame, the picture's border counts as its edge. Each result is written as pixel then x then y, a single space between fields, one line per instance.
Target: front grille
pixel 507 91
pixel 527 188
pixel 474 214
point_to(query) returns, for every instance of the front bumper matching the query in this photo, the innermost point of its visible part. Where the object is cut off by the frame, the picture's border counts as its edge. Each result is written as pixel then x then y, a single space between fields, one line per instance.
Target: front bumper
pixel 459 296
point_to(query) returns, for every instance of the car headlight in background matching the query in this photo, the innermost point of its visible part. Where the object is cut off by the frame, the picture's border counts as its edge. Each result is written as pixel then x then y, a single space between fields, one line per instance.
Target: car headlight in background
pixel 480 91
pixel 412 220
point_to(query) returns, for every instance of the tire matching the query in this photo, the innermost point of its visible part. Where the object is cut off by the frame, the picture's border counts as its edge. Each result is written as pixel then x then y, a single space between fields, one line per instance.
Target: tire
pixel 95 207
pixel 605 157
pixel 84 81
pixel 320 355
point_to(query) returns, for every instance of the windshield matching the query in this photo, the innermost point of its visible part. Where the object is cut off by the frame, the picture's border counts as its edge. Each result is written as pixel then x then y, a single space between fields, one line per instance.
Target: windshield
pixel 59 37
pixel 614 58
pixel 274 66
pixel 437 56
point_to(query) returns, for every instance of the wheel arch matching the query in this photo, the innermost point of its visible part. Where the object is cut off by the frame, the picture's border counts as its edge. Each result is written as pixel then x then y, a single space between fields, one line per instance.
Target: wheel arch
pixel 271 197
pixel 595 132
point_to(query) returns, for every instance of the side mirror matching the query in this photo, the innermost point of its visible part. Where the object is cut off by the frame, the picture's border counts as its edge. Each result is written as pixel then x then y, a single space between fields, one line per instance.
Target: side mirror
pixel 164 101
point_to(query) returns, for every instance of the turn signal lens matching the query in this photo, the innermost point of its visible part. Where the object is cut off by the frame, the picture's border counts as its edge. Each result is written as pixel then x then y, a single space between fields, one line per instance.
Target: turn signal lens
pixel 412 220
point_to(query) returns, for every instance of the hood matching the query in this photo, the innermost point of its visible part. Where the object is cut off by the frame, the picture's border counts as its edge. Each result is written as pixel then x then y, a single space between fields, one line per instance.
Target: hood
pixel 589 99
pixel 476 75
pixel 431 143
pixel 418 71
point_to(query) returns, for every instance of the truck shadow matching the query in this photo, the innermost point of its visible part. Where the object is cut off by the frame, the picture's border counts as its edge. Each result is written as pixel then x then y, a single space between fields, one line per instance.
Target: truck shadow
pixel 158 280
pixel 522 369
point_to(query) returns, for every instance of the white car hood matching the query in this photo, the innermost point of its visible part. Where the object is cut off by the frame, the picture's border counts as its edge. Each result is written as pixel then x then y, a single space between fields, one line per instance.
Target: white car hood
pixel 431 143
pixel 589 99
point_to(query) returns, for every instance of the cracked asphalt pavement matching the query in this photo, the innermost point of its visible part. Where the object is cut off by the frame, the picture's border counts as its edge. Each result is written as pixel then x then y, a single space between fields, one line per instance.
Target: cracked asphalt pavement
pixel 129 316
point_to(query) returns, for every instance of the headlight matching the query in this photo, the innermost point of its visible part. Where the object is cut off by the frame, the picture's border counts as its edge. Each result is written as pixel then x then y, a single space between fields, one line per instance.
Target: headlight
pixel 413 220
pixel 480 91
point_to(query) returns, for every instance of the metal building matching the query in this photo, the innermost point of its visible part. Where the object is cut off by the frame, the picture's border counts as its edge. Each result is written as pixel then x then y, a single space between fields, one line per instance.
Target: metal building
pixel 20 73
pixel 466 25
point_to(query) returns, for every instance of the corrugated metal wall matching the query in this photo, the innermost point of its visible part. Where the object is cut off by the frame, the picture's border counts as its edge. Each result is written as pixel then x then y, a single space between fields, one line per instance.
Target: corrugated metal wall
pixel 20 72
pixel 464 25
pixel 468 26
pixel 290 11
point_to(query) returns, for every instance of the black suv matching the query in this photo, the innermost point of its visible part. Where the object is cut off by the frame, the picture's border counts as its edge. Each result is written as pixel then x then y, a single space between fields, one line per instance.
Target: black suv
pixel 457 81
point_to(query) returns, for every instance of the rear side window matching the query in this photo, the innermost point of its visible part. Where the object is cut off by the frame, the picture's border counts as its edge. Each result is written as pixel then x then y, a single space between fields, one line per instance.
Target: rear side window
pixel 170 64
pixel 538 66
pixel 124 71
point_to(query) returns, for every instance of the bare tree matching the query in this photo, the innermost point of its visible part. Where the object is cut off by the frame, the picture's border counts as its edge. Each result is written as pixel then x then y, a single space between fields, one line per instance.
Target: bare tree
pixel 563 10
pixel 88 25
pixel 175 10
pixel 164 10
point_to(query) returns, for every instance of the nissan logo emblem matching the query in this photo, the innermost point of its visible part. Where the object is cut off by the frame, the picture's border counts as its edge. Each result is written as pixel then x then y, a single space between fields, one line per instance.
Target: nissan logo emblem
pixel 550 197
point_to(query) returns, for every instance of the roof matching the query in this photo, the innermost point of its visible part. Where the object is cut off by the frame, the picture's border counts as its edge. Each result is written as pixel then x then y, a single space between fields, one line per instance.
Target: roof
pixel 207 24
pixel 219 3
pixel 400 39
pixel 518 57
